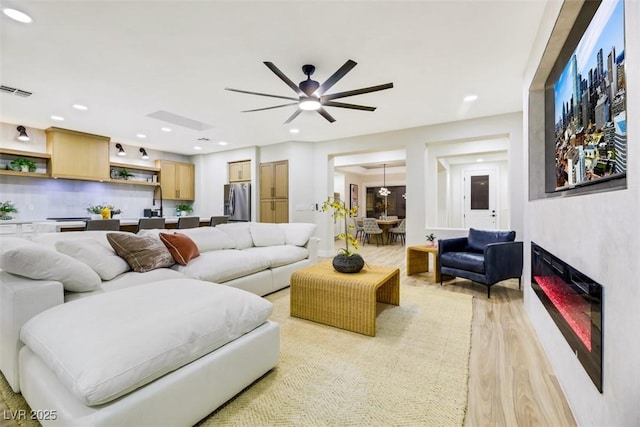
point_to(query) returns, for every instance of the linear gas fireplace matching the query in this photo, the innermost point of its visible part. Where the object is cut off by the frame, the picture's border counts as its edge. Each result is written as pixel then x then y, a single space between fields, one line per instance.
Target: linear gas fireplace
pixel 574 302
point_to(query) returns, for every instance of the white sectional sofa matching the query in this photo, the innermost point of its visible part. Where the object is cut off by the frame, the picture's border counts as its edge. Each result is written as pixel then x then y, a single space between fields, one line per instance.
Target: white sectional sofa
pixel 138 319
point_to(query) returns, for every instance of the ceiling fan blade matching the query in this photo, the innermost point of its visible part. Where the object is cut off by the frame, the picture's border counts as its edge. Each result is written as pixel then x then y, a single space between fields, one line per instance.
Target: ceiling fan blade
pixel 262 94
pixel 326 115
pixel 284 78
pixel 335 77
pixel 345 105
pixel 293 116
pixel 325 98
pixel 269 108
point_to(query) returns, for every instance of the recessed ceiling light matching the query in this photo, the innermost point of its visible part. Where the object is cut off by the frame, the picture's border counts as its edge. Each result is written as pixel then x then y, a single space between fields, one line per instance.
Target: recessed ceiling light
pixel 141 135
pixel 223 143
pixel 470 98
pixel 80 107
pixel 197 147
pixel 16 15
pixel 58 118
pixel 165 129
pixel 479 160
pixel 294 130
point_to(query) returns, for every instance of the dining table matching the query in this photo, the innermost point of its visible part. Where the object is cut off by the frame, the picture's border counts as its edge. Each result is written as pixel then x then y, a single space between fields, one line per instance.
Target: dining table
pixel 385 224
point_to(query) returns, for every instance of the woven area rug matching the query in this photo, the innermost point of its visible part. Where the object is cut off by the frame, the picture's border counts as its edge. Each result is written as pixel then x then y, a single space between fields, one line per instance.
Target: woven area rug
pixel 413 372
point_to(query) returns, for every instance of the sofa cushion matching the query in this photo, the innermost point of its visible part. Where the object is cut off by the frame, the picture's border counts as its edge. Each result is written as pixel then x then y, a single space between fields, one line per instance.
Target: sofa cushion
pixel 470 261
pixel 222 266
pixel 142 253
pixel 123 340
pixel 28 259
pixel 478 239
pixel 264 234
pixel 181 247
pixel 280 255
pixel 209 238
pixel 100 258
pixel 239 232
pixel 297 233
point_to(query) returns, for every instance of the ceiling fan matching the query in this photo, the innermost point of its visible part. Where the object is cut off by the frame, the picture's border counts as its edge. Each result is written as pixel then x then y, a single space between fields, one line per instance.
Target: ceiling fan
pixel 311 94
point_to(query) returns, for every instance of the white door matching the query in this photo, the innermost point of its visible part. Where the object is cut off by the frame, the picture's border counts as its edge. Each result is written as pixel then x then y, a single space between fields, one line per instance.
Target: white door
pixel 480 190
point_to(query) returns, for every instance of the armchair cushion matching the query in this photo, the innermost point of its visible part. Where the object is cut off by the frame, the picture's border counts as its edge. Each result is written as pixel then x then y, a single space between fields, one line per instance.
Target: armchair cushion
pixel 478 239
pixel 469 261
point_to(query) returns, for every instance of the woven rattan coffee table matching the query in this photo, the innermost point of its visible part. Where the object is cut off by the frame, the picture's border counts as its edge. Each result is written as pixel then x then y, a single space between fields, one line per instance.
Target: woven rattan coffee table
pixel 346 301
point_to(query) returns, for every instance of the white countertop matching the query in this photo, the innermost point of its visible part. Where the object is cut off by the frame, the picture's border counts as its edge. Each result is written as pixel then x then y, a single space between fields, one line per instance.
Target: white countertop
pixel 48 226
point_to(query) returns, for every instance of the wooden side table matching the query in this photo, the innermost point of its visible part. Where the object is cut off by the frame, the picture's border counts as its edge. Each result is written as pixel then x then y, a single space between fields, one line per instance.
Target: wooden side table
pixel 418 260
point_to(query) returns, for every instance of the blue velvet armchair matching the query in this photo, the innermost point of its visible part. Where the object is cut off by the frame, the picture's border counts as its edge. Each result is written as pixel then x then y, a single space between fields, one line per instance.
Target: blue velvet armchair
pixel 485 256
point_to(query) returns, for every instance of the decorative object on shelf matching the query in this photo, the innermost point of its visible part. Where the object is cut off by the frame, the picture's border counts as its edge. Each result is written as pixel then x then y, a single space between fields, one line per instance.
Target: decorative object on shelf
pixel 22 164
pixel 346 261
pixel 125 174
pixel 121 151
pixel 22 133
pixel 431 239
pixel 183 209
pixel 6 209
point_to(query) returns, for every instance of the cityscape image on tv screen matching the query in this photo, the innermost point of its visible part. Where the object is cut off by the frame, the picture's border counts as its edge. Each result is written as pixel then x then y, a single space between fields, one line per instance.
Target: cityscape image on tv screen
pixel 590 104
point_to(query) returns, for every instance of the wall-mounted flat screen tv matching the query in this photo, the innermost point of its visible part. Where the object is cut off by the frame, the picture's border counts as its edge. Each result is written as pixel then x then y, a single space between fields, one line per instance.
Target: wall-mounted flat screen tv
pixel 588 86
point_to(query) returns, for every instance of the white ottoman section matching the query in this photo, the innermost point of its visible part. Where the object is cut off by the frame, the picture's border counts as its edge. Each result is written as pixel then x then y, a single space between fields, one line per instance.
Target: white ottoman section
pixel 108 345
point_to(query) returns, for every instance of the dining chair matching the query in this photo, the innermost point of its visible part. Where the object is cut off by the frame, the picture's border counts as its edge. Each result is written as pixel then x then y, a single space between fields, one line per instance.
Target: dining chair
pixel 188 222
pixel 102 224
pixel 215 220
pixel 359 229
pixel 398 231
pixel 150 223
pixel 371 227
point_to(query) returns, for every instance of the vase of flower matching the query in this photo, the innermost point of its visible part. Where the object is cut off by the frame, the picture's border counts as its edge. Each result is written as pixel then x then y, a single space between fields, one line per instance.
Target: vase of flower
pixel 431 240
pixel 346 261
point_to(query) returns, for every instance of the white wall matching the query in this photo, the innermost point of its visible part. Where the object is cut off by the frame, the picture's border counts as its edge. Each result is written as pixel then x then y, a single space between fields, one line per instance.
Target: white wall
pixel 597 234
pixel 503 132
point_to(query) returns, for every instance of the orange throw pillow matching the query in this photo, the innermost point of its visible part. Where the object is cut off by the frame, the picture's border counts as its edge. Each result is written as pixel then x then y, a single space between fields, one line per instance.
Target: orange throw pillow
pixel 182 248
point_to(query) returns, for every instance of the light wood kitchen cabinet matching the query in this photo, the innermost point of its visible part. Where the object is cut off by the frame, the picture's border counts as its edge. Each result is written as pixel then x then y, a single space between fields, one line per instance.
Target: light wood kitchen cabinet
pixel 274 210
pixel 240 171
pixel 274 191
pixel 78 155
pixel 177 180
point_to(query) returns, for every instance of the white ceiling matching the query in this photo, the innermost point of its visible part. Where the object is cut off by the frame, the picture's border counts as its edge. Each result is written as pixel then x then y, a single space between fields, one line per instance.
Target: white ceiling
pixel 128 59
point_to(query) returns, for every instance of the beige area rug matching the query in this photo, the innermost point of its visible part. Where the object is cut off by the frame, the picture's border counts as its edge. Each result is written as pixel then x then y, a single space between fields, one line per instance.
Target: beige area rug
pixel 414 372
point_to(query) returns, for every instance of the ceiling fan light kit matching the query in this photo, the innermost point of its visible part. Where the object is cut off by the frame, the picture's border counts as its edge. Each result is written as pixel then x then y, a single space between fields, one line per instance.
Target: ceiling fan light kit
pixel 311 94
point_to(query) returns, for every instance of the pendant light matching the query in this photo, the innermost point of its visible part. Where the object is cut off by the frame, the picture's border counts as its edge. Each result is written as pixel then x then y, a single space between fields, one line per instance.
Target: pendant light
pixel 384 191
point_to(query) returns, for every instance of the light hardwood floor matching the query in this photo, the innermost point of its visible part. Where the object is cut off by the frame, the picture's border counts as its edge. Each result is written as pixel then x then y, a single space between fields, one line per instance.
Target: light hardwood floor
pixel 511 382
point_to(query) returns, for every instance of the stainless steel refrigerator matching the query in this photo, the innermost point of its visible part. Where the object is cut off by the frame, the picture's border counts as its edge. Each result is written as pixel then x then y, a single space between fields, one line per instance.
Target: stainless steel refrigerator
pixel 237 201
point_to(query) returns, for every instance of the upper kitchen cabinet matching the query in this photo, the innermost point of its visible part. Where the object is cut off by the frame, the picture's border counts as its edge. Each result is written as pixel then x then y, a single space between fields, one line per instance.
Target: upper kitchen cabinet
pixel 78 155
pixel 240 171
pixel 177 180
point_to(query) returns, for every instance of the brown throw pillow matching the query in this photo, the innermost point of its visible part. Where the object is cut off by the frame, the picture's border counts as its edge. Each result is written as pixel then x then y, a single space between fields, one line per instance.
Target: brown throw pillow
pixel 182 248
pixel 142 253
